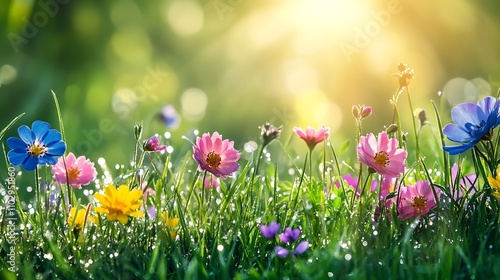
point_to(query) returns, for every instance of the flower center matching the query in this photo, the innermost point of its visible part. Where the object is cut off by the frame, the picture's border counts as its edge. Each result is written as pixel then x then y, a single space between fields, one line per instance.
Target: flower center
pixel 73 173
pixel 36 149
pixel 213 160
pixel 419 202
pixel 382 158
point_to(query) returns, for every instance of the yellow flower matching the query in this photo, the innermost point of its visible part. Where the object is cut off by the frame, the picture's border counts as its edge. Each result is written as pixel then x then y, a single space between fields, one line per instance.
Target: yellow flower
pixel 119 204
pixel 495 185
pixel 170 223
pixel 76 219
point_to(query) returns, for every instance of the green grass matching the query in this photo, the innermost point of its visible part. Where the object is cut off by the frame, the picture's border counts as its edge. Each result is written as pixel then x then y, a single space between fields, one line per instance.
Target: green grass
pixel 218 235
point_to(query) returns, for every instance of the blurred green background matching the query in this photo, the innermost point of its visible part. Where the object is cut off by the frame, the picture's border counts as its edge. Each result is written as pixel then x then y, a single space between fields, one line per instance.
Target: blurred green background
pixel 231 65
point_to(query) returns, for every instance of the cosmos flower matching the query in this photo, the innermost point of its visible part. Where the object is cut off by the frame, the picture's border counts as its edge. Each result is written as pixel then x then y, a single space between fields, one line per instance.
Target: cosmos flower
pixel 215 155
pixel 416 200
pixel 152 145
pixel 119 204
pixel 78 171
pixel 472 123
pixel 271 230
pixel 37 146
pixel 312 137
pixel 382 155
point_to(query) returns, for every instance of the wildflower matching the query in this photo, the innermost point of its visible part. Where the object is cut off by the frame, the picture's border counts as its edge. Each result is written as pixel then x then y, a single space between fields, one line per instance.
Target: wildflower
pixel 361 112
pixel 464 183
pixel 147 192
pixel 495 185
pixel 152 145
pixel 473 123
pixel 383 156
pixel 416 200
pixel 170 223
pixel 76 172
pixel 271 230
pixel 405 75
pixel 76 219
pixel 119 204
pixel 169 116
pixel 215 155
pixel 211 181
pixel 289 236
pixel 37 146
pixel 311 136
pixel 269 132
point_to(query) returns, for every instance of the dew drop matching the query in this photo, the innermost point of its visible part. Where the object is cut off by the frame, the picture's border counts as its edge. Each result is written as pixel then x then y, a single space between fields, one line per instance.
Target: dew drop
pixel 348 257
pixel 220 248
pixel 330 274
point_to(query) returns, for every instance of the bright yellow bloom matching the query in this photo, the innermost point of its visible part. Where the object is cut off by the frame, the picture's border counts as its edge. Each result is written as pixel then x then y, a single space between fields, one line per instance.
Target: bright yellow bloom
pixel 495 185
pixel 119 204
pixel 170 223
pixel 76 221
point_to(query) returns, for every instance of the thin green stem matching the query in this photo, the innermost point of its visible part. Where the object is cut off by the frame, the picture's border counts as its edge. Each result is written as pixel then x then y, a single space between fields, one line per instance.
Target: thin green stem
pixel 417 148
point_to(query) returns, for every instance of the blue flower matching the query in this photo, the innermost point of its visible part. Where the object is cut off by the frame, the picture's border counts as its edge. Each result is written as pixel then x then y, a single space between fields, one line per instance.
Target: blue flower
pixel 472 124
pixel 169 116
pixel 37 146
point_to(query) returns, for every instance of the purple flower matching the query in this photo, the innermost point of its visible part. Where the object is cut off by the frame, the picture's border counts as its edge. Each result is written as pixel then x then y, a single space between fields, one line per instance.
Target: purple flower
pixel 289 235
pixel 473 123
pixel 271 230
pixel 280 251
pixel 301 248
pixel 152 145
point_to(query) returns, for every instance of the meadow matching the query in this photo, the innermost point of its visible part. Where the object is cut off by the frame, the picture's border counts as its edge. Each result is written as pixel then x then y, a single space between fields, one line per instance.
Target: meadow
pixel 418 202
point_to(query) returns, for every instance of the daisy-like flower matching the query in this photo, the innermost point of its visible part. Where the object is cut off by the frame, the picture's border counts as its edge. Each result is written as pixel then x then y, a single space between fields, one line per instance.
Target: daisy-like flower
pixel 416 200
pixel 382 155
pixel 170 223
pixel 312 137
pixel 119 204
pixel 473 123
pixel 37 146
pixel 495 185
pixel 215 155
pixel 152 145
pixel 78 171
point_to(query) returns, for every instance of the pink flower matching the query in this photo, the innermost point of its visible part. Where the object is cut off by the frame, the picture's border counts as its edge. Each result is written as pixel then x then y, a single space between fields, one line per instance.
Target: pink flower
pixel 416 200
pixel 153 144
pixel 80 171
pixel 383 156
pixel 311 136
pixel 215 155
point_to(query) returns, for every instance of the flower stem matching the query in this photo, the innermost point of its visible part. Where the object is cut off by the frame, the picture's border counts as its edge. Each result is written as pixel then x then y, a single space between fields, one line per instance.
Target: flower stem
pixel 417 148
pixel 38 199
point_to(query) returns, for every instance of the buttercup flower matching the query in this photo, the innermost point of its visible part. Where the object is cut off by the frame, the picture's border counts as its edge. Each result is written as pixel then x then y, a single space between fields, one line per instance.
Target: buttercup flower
pixel 473 123
pixel 416 200
pixel 152 145
pixel 215 155
pixel 76 219
pixel 78 171
pixel 119 204
pixel 37 146
pixel 495 185
pixel 170 224
pixel 383 156
pixel 312 137
pixel 271 230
